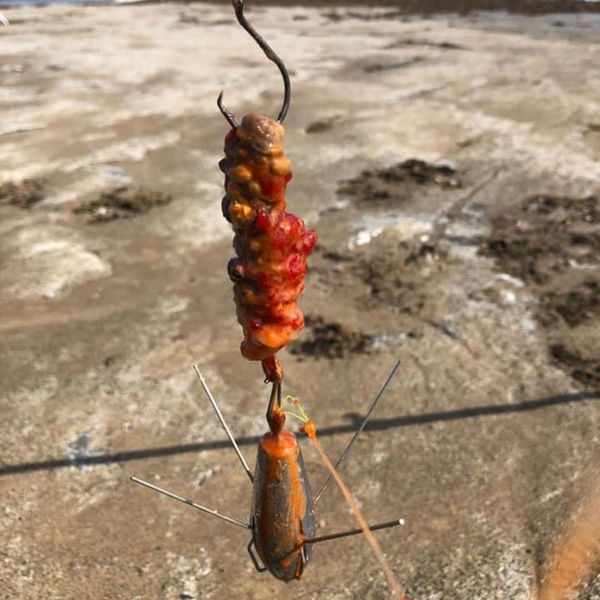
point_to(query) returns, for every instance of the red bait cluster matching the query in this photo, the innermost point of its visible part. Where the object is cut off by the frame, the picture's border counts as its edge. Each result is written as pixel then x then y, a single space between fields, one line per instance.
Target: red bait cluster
pixel 271 244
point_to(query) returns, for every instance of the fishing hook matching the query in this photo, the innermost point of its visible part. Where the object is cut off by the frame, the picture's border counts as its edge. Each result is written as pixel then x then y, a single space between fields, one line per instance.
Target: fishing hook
pixel 238 6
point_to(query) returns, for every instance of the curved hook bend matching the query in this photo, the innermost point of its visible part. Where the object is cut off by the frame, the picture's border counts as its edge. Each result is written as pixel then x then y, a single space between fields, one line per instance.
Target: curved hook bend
pixel 238 6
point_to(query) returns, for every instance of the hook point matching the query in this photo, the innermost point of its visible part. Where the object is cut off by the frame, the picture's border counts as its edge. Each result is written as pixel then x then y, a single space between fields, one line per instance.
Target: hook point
pixel 229 117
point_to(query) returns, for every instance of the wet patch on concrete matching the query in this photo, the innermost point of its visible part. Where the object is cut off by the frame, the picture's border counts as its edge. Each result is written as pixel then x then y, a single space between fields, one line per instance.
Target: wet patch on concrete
pixel 395 183
pixel 327 339
pixel 24 194
pixel 336 15
pixel 387 272
pixel 462 7
pixel 427 43
pixel 574 306
pixel 122 203
pixel 546 235
pixel 390 274
pixel 321 125
pixel 584 370
pixel 552 244
pixel 377 67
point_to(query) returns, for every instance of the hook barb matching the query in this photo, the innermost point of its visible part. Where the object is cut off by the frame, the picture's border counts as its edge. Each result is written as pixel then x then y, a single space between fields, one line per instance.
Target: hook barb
pixel 226 112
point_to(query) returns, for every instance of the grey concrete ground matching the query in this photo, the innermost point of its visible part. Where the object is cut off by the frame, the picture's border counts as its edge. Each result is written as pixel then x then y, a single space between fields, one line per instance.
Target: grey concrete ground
pixel 487 438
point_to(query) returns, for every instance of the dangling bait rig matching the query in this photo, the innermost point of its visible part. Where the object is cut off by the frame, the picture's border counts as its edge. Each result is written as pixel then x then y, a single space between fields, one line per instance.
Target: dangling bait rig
pixel 271 246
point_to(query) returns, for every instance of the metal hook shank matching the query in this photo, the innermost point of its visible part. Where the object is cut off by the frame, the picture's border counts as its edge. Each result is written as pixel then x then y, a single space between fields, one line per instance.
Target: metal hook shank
pixel 238 6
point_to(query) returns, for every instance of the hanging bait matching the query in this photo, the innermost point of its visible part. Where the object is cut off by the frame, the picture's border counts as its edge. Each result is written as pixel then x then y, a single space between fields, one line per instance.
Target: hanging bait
pixel 271 244
pixel 268 275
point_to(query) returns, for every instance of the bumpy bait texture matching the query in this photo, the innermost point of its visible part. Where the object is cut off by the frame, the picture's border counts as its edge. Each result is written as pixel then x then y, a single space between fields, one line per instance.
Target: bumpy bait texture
pixel 271 244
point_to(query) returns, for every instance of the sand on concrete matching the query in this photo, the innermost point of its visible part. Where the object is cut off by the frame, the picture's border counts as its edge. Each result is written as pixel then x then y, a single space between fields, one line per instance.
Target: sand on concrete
pixel 486 440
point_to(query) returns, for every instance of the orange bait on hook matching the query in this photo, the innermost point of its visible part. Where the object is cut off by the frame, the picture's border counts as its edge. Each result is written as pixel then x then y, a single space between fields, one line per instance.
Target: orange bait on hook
pixel 271 244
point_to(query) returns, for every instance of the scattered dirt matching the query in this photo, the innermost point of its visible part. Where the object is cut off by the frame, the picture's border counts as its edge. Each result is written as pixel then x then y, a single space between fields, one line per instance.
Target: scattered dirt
pixel 552 243
pixel 24 194
pixel 426 43
pixel 331 340
pixel 391 272
pixel 389 284
pixel 382 185
pixel 386 274
pixel 187 19
pixel 584 370
pixel 377 67
pixel 546 235
pixel 361 16
pixel 121 203
pixel 431 7
pixel 320 125
pixel 577 305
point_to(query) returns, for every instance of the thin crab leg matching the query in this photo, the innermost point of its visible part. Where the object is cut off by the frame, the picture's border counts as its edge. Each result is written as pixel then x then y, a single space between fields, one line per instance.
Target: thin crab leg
pixel 358 431
pixel 209 511
pixel 223 422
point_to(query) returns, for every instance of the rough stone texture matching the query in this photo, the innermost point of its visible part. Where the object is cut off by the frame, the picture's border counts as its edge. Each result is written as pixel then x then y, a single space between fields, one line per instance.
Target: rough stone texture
pixel 484 443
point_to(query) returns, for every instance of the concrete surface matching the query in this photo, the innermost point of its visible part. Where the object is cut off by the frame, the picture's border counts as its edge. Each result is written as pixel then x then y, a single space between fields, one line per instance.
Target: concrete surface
pixel 486 440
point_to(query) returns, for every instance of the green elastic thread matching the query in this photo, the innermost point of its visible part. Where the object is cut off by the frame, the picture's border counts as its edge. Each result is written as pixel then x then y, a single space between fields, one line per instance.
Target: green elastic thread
pixel 298 413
